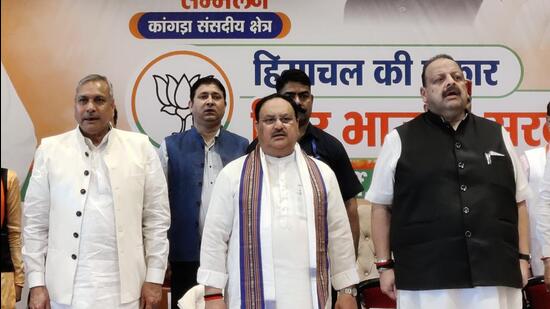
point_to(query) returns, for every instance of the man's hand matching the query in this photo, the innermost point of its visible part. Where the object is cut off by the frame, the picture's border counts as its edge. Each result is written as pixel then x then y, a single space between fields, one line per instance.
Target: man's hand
pixel 18 290
pixel 151 294
pixel 387 283
pixel 525 271
pixel 39 298
pixel 215 304
pixel 345 301
pixel 547 273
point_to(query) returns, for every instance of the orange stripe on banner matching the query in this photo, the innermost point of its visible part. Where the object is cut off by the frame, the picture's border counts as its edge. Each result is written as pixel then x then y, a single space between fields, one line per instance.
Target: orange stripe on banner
pixel 286 24
pixel 133 25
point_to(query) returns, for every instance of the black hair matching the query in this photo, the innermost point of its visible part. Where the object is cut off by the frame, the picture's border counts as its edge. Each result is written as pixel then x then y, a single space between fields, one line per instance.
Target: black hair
pixel 207 80
pixel 291 75
pixel 260 103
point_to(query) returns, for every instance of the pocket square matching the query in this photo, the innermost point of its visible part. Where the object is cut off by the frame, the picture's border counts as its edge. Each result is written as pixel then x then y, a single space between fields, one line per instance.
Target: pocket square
pixel 490 154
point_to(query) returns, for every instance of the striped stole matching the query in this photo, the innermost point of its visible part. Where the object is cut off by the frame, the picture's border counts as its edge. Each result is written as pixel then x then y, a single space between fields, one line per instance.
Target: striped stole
pixel 250 198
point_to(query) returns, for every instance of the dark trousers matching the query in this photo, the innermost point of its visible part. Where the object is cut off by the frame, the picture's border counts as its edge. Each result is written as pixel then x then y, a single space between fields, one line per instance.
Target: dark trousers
pixel 184 277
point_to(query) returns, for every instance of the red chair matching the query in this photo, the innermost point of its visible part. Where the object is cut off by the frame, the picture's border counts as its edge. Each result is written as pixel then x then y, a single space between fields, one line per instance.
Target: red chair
pixel 536 294
pixel 371 296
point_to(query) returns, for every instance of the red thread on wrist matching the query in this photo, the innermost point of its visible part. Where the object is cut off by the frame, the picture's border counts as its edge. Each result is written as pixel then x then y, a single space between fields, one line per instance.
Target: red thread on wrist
pixel 213 296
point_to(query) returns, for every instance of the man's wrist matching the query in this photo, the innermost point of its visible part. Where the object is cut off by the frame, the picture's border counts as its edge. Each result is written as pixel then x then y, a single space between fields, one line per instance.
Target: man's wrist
pixel 351 290
pixel 525 257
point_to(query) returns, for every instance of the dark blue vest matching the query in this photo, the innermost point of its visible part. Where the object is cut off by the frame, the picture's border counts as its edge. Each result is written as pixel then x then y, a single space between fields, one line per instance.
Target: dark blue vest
pixel 454 220
pixel 185 173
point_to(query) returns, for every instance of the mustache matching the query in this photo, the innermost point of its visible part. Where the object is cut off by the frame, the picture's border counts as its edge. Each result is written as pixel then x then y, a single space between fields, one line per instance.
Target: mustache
pixel 452 89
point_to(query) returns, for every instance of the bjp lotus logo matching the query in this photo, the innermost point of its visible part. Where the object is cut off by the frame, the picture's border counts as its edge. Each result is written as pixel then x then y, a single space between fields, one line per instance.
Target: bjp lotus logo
pixel 160 96
pixel 173 95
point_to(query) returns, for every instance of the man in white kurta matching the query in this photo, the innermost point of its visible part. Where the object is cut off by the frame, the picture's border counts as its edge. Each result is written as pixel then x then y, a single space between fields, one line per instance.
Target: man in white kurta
pixel 533 162
pixel 286 224
pixel 96 213
pixel 543 222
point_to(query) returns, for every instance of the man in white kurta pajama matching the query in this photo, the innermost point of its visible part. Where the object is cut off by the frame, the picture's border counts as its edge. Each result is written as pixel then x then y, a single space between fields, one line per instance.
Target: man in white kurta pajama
pixel 291 244
pixel 96 213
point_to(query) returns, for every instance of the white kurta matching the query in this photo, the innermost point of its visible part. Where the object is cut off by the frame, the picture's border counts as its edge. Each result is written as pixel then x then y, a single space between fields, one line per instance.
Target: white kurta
pixel 285 234
pixel 543 224
pixel 381 192
pixel 534 161
pixel 97 279
pixel 118 190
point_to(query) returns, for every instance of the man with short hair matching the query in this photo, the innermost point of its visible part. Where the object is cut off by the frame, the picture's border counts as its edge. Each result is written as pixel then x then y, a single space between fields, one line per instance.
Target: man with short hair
pixel 192 161
pixel 96 213
pixel 320 144
pixel 448 196
pixel 276 234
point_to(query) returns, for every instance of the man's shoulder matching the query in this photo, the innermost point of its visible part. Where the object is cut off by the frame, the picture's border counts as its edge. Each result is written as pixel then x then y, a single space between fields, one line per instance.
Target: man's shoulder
pixel 232 136
pixel 59 138
pixel 325 169
pixel 234 167
pixel 485 121
pixel 178 137
pixel 325 138
pixel 130 134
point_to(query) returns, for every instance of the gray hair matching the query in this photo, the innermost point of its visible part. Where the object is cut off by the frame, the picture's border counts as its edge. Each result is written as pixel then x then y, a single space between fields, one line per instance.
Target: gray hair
pixel 93 78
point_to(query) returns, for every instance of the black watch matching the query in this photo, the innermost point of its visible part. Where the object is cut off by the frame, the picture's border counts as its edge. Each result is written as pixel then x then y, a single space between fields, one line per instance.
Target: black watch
pixel 526 257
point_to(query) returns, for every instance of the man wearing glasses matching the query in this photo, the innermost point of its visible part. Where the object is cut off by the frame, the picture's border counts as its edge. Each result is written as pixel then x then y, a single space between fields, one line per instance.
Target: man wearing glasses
pixel 320 144
pixel 276 234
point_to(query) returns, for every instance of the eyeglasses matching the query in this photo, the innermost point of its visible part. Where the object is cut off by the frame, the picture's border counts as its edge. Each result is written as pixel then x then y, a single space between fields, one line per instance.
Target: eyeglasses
pixel 272 120
pixel 302 96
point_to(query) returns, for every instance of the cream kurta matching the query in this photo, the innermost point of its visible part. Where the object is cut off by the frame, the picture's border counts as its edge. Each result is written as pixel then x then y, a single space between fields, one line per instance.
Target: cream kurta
pixel 286 242
pixel 59 193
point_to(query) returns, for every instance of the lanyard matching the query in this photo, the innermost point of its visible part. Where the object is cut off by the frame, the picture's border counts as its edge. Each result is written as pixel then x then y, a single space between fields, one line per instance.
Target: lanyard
pixel 314 150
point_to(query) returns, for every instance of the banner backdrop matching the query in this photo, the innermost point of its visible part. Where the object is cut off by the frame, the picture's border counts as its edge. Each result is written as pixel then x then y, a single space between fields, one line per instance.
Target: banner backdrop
pixel 364 58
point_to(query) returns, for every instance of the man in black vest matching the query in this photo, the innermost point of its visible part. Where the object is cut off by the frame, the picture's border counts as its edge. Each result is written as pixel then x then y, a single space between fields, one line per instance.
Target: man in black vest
pixel 448 198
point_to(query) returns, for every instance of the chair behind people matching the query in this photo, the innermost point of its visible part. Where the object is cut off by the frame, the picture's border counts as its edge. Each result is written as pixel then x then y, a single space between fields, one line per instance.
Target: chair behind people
pixel 371 296
pixel 193 298
pixel 537 296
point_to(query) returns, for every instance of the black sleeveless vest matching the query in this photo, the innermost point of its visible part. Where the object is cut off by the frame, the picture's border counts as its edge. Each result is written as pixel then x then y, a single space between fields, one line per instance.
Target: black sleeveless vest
pixel 454 217
pixel 6 265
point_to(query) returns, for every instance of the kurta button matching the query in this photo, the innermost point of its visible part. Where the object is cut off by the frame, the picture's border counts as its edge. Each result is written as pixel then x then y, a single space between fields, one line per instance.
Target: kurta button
pixel 87 154
pixel 458 145
pixel 75 235
pixel 79 213
pixel 73 256
pixel 463 188
pixel 466 209
pixel 468 234
pixel 86 173
pixel 460 165
pixel 82 191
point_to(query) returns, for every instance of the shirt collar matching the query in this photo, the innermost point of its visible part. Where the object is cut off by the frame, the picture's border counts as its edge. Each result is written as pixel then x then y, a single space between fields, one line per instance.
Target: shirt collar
pixel 88 142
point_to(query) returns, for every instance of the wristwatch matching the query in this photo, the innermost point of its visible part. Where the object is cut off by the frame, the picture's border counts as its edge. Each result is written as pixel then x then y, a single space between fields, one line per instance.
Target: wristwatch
pixel 350 291
pixel 523 256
